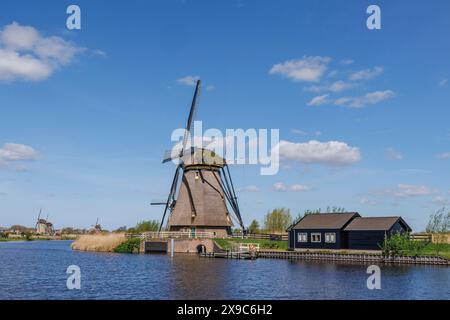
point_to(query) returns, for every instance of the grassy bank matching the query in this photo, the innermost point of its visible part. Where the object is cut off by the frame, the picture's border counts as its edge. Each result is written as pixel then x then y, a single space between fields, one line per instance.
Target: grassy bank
pixel 129 246
pixel 99 242
pixel 227 244
pixel 434 249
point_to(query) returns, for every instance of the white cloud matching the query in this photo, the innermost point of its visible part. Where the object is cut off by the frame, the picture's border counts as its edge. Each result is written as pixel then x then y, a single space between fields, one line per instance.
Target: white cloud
pixel 443 83
pixel 336 86
pixel 366 74
pixel 444 155
pixel 340 85
pixel 188 80
pixel 367 201
pixel 441 201
pixel 319 100
pixel 346 62
pixel 308 69
pixel 249 189
pixel 299 132
pixel 27 55
pixel 16 152
pixel 367 99
pixel 406 191
pixel 333 153
pixel 299 188
pixel 281 187
pixel 393 154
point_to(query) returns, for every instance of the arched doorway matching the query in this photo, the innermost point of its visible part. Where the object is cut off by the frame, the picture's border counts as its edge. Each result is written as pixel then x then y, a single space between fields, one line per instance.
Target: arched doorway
pixel 201 248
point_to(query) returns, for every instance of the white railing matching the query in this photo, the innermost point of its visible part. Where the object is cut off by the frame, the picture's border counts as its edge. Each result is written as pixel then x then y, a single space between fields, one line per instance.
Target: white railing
pixel 260 236
pixel 177 235
pixel 246 247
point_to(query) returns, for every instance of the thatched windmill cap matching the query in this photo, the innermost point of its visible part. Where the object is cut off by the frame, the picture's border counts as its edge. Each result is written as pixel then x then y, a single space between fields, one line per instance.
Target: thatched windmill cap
pixel 202 156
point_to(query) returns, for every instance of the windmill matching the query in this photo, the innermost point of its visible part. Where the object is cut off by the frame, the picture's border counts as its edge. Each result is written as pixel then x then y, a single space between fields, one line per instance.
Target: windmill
pixel 43 226
pixel 96 228
pixel 202 191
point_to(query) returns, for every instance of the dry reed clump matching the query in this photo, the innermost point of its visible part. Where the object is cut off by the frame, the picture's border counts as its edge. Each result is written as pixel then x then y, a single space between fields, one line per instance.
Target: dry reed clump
pixel 98 242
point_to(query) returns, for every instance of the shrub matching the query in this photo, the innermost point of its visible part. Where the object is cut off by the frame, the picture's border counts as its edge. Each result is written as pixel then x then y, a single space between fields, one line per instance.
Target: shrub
pixel 130 246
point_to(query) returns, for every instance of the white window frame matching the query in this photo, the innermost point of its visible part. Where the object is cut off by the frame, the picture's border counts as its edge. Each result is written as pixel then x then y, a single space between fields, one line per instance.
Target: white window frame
pixel 302 237
pixel 332 235
pixel 316 234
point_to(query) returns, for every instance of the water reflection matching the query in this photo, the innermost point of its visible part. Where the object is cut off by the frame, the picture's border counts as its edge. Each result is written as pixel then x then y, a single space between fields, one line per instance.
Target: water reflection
pixel 36 270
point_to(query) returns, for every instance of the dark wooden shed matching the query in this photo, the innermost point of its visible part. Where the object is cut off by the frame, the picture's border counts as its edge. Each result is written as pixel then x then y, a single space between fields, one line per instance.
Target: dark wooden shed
pixel 320 231
pixel 369 233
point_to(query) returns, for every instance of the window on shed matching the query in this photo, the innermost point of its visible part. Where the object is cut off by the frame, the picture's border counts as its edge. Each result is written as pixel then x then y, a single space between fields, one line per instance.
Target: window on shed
pixel 330 237
pixel 316 237
pixel 302 237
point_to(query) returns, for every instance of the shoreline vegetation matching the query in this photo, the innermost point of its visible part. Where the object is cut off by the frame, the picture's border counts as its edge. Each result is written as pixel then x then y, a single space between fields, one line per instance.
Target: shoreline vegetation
pixel 38 238
pixel 102 242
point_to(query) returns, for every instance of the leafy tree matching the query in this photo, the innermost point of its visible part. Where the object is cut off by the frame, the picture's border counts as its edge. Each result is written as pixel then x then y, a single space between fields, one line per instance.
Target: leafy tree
pixel 254 227
pixel 145 226
pixel 400 243
pixel 439 222
pixel 278 220
pixel 67 230
pixel 122 229
pixel 439 226
pixel 19 228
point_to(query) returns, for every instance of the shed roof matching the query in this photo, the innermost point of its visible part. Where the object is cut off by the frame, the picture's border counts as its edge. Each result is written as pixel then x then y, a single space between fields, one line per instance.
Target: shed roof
pixel 325 220
pixel 375 224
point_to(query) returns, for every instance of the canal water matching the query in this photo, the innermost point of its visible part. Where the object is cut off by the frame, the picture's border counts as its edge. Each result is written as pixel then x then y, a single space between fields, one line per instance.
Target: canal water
pixel 37 270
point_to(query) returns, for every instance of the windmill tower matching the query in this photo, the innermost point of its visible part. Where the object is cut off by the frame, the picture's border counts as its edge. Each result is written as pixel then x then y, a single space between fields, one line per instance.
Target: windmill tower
pixel 202 196
pixel 43 226
pixel 96 228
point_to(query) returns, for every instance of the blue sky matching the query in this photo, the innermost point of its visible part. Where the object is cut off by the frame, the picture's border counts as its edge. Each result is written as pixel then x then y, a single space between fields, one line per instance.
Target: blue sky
pixel 85 115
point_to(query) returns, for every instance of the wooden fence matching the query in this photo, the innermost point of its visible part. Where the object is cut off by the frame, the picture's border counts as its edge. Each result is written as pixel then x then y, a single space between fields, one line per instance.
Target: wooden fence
pixel 434 238
pixel 421 237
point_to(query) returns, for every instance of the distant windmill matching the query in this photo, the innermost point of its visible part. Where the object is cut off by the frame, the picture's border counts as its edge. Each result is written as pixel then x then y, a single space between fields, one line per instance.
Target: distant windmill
pixel 201 201
pixel 43 226
pixel 97 227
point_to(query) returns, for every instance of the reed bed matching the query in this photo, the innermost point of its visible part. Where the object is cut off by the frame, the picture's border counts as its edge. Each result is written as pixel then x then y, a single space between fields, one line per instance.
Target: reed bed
pixel 99 242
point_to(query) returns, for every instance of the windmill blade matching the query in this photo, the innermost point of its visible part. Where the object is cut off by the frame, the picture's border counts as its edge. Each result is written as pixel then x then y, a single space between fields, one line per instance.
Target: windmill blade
pixel 191 116
pixel 39 217
pixel 158 203
pixel 178 153
pixel 171 196
pixel 173 154
pixel 191 199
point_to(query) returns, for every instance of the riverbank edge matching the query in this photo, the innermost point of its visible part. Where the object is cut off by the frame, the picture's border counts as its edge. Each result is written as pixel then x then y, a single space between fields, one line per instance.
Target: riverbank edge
pixel 302 255
pixel 352 257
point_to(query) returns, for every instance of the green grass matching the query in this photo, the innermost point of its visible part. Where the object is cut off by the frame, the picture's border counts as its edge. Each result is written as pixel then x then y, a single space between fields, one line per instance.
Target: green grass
pixel 226 244
pixel 130 246
pixel 434 249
